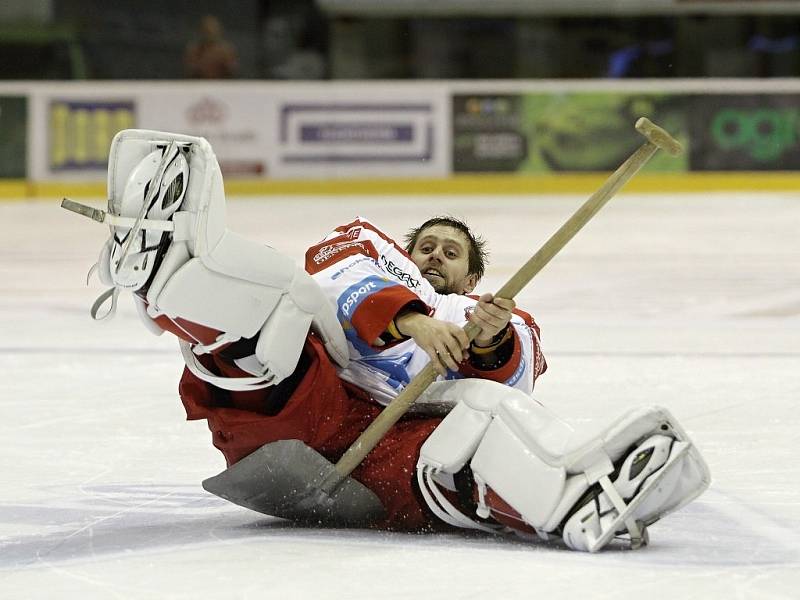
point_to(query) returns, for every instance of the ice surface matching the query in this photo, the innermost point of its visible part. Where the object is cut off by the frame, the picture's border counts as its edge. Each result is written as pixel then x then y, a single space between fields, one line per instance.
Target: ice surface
pixel 691 302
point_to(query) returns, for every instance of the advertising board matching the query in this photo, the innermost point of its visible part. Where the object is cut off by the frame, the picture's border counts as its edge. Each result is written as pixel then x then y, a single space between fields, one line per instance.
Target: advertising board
pixel 314 132
pixel 13 136
pixel 592 131
pixel 80 131
pixel 234 121
pixel 379 134
pixel 745 132
pixel 560 132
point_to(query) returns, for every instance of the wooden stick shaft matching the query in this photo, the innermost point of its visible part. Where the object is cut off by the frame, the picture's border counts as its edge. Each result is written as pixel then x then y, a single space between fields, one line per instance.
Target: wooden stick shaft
pixel 378 428
pixel 576 222
pixel 400 405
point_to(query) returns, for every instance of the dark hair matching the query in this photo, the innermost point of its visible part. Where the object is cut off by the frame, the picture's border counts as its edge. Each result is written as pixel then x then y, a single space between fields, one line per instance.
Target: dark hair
pixel 478 254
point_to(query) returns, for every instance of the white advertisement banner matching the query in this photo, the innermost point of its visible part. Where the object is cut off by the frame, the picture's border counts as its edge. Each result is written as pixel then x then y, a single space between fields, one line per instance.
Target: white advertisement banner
pixel 357 132
pixel 233 121
pixel 257 130
pixel 72 126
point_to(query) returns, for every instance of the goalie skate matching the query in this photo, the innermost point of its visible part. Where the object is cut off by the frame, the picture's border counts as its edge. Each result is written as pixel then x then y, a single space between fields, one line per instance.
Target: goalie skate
pixel 632 501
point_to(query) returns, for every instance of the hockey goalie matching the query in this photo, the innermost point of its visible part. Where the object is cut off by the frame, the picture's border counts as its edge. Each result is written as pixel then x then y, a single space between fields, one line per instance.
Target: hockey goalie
pixel 277 352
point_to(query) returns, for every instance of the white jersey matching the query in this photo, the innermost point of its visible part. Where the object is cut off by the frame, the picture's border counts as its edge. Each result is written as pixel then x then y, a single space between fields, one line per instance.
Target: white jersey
pixel 369 278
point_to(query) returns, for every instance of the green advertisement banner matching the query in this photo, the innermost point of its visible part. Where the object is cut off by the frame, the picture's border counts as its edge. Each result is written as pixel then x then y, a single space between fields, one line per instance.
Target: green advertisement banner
pixel 582 132
pixel 560 132
pixel 745 132
pixel 13 136
pixel 585 132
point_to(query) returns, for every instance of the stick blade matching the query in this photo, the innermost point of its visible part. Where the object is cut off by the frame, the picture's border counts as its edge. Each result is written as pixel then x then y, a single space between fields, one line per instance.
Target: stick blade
pixel 280 479
pixel 87 211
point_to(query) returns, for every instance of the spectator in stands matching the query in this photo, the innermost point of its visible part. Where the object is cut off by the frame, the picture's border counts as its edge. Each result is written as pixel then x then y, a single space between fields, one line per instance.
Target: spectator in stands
pixel 211 56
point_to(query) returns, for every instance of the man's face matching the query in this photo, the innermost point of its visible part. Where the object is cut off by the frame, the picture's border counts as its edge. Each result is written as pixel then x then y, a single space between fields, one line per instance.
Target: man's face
pixel 442 254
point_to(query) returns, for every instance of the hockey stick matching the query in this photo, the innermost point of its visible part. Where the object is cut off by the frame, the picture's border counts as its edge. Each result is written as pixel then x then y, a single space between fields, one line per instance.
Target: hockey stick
pixel 298 483
pixel 656 138
pixel 101 216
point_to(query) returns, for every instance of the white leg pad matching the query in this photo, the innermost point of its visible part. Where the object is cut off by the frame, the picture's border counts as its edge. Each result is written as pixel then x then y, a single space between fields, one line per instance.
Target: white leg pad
pixel 205 277
pixel 541 467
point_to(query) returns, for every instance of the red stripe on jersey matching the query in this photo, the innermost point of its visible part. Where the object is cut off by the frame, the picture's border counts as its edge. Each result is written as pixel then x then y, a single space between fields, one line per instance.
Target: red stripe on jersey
pixel 349 227
pixel 372 316
pixel 359 223
pixel 329 252
pixel 528 320
pixel 539 363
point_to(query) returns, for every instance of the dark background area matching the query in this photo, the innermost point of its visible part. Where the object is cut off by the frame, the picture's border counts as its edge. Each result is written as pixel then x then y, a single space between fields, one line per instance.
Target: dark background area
pixel 297 39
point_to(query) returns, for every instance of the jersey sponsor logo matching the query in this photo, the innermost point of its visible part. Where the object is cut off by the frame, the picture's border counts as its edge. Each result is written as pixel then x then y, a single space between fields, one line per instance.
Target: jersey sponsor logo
pixel 398 273
pixel 327 252
pixel 353 296
pixel 346 268
pixel 321 256
pixel 351 299
pixel 353 232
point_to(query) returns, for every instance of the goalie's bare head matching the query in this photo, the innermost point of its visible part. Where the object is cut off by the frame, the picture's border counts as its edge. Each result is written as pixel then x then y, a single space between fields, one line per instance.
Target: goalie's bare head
pixel 154 192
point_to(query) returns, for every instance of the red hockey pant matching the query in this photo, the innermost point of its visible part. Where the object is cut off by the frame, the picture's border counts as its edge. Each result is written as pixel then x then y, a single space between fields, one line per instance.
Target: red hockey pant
pixel 328 417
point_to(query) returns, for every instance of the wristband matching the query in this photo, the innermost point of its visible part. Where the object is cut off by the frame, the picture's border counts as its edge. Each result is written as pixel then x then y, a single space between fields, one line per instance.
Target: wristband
pixel 392 334
pixel 493 357
pixel 497 340
pixel 394 331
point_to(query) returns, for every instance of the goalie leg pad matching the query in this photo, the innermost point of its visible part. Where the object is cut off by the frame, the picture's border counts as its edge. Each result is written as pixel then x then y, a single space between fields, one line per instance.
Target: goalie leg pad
pixel 210 285
pixel 531 470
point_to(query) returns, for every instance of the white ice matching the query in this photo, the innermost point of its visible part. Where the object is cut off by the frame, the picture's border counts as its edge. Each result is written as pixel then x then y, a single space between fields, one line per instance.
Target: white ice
pixel 691 302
